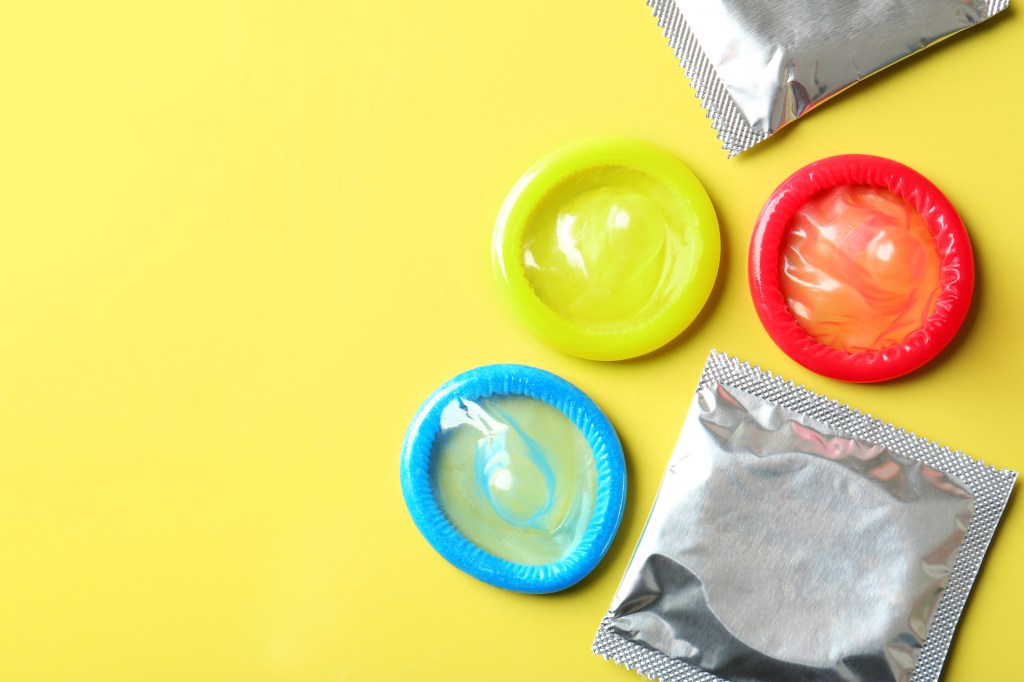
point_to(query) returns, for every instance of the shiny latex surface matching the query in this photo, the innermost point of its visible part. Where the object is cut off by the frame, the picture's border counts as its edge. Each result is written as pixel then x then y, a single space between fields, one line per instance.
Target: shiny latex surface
pixel 607 248
pixel 840 331
pixel 859 269
pixel 515 477
pixel 241 240
pixel 602 249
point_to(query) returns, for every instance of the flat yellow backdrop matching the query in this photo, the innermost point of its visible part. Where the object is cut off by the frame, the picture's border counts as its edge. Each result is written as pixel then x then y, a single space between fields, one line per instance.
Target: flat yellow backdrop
pixel 241 242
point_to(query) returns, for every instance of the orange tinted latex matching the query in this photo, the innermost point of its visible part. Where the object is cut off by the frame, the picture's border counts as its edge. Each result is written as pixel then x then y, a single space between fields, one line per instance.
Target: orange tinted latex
pixel 858 268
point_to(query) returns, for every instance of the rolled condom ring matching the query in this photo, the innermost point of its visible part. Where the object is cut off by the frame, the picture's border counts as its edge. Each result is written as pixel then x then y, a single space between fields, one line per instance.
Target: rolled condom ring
pixel 515 477
pixel 607 249
pixel 860 269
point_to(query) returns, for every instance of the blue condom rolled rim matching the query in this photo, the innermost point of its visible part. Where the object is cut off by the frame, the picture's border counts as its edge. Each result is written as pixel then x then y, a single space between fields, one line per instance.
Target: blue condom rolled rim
pixel 609 501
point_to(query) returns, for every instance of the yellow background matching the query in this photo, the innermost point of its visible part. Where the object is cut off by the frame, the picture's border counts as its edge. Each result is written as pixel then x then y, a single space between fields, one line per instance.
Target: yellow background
pixel 241 242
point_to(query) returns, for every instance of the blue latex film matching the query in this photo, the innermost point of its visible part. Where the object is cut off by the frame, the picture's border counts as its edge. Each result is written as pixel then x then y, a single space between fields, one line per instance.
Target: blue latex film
pixel 474 399
pixel 494 459
pixel 515 476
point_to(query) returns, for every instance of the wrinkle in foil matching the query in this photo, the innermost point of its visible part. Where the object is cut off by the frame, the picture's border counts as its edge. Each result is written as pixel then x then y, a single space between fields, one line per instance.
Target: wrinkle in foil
pixel 781 548
pixel 774 61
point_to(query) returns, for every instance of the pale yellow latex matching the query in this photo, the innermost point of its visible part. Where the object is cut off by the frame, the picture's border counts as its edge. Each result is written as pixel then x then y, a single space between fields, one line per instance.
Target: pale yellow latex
pixel 859 269
pixel 515 476
pixel 599 248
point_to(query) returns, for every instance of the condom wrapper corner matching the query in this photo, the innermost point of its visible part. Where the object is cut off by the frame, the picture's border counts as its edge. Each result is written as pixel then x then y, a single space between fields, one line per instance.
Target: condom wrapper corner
pixel 860 268
pixel 515 477
pixel 758 66
pixel 794 538
pixel 607 249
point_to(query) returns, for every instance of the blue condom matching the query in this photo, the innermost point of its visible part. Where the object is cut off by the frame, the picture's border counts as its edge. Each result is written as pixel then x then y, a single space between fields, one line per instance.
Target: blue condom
pixel 514 476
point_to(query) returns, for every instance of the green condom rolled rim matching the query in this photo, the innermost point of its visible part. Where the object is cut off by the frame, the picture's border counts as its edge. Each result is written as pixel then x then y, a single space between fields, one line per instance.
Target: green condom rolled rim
pixel 645 335
pixel 609 500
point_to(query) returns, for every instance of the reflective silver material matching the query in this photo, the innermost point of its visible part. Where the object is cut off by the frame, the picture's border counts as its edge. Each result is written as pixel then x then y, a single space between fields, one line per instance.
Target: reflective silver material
pixel 759 65
pixel 796 539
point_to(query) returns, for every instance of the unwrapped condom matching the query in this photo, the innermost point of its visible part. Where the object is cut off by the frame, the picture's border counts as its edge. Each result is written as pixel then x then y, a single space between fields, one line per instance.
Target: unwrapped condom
pixel 515 477
pixel 607 249
pixel 860 269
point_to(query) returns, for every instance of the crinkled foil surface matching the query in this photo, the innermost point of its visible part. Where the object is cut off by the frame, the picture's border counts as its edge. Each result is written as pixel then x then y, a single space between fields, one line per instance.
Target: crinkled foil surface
pixel 759 65
pixel 783 547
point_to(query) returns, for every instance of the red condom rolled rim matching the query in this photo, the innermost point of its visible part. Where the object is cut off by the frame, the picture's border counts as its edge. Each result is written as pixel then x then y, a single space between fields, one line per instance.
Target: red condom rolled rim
pixel 956 268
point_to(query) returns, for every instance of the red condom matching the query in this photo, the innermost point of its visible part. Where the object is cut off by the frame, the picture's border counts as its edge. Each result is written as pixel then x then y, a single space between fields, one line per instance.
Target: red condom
pixel 807 326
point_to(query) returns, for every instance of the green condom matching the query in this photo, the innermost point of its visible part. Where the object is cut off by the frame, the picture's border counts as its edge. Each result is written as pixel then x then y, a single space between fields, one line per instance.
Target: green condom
pixel 607 249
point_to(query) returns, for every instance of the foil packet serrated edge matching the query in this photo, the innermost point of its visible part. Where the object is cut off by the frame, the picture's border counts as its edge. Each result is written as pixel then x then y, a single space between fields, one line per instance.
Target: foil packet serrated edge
pixel 733 129
pixel 990 486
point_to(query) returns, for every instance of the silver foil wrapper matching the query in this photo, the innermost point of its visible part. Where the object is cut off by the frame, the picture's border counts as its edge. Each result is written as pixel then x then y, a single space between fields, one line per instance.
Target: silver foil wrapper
pixel 796 539
pixel 759 65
